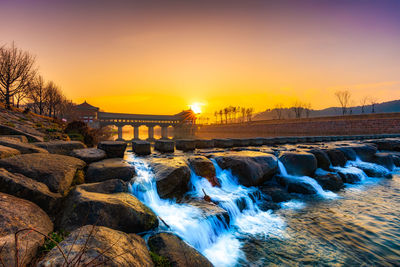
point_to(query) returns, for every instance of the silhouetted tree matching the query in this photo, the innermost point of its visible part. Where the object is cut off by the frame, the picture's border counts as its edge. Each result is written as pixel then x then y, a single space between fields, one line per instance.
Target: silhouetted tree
pixel 363 103
pixel 16 72
pixel 373 101
pixel 344 99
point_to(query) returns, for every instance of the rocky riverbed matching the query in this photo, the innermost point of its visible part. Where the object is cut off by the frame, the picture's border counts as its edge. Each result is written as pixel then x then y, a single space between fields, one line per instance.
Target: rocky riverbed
pixel 200 208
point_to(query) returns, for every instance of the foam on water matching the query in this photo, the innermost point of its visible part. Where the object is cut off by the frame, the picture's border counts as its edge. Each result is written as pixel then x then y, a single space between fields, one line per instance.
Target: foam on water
pixel 293 204
pixel 308 180
pixel 211 236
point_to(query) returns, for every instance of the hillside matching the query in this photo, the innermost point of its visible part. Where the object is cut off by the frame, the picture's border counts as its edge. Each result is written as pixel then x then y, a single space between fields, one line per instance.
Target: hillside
pixel 39 127
pixel 385 107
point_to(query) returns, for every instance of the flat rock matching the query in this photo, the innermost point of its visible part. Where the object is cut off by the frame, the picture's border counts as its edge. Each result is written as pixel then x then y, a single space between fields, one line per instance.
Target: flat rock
pixel 17 214
pixel 204 143
pixel 294 185
pixel 113 149
pixel 176 251
pixel 277 194
pixel 107 187
pixel 209 209
pixel 172 176
pixel 141 147
pixel 119 211
pixel 104 247
pixel 329 181
pixel 89 155
pixel 21 186
pixel 107 169
pixel 251 167
pixel 299 163
pixel 6 152
pixel 384 159
pixel 55 171
pixel 19 138
pixel 24 148
pixel 365 152
pixel 61 147
pixel 164 146
pixel 6 130
pixel 322 157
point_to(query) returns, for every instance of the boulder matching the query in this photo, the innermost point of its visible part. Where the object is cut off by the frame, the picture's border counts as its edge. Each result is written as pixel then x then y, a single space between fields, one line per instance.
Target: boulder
pixel 100 246
pixel 299 163
pixel 330 181
pixel 141 148
pixel 17 214
pixel 203 167
pixel 336 157
pixel 119 211
pixel 277 194
pixel 349 177
pixel 259 141
pixel 19 138
pixel 209 209
pixel 241 142
pixel 185 144
pixel 348 152
pixel 204 143
pixel 61 147
pixel 55 171
pixel 6 130
pixel 113 149
pixel 396 160
pixel 110 169
pixel 387 144
pixel 223 143
pixel 384 159
pixel 89 155
pixel 24 148
pixel 322 157
pixel 374 170
pixel 365 152
pixel 295 185
pixel 107 187
pixel 172 176
pixel 6 152
pixel 21 186
pixel 164 146
pixel 176 251
pixel 251 167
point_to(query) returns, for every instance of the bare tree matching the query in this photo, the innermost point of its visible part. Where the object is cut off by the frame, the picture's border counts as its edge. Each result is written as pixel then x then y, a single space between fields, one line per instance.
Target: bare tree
pixel 38 95
pixel 279 111
pixel 344 99
pixel 298 109
pixel 363 103
pixel 220 115
pixel 307 108
pixel 54 98
pixel 243 111
pixel 373 101
pixel 16 72
pixel 249 113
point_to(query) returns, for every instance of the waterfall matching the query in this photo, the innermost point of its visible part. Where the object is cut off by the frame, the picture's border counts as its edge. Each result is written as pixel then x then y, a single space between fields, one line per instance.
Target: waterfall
pixel 219 242
pixel 308 180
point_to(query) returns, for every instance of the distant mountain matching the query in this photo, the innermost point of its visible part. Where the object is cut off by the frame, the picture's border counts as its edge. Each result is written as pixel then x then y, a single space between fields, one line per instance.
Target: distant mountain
pixel 385 107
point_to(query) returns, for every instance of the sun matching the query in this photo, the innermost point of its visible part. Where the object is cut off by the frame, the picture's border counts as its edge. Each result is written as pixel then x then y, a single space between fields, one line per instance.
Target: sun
pixel 196 107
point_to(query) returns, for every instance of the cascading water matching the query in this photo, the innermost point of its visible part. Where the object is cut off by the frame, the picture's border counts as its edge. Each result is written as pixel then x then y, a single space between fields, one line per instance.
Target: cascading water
pixel 308 180
pixel 211 236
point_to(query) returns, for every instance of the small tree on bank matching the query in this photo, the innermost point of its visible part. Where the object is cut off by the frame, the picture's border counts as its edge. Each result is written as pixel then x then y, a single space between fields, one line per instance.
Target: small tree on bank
pixel 344 100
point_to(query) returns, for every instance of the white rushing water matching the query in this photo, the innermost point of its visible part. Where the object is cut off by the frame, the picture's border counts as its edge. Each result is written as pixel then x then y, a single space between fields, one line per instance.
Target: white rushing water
pixel 308 180
pixel 219 242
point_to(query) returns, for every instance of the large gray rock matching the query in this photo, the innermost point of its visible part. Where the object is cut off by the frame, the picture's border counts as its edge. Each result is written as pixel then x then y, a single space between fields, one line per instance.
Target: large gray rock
pixel 295 185
pixel 337 157
pixel 185 144
pixel 60 147
pixel 110 169
pixel 384 159
pixel 203 167
pixel 100 246
pixel 322 157
pixel 172 176
pixel 223 143
pixel 348 152
pixel 276 193
pixel 89 155
pixel 19 138
pixel 299 163
pixel 107 187
pixel 329 181
pixel 119 211
pixel 365 152
pixel 56 171
pixel 21 186
pixel 17 214
pixel 24 148
pixel 176 251
pixel 6 152
pixel 164 146
pixel 204 143
pixel 387 144
pixel 141 147
pixel 113 149
pixel 6 130
pixel 251 167
pixel 209 209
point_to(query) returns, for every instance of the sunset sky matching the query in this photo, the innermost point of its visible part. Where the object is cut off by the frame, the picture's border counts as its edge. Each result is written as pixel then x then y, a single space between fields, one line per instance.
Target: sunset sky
pixel 161 56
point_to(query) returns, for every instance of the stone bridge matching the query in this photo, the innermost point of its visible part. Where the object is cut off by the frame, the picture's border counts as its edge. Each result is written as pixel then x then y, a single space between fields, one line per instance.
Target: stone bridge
pixel 120 120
